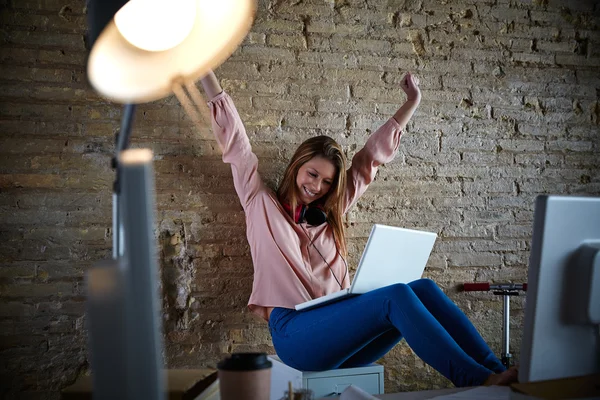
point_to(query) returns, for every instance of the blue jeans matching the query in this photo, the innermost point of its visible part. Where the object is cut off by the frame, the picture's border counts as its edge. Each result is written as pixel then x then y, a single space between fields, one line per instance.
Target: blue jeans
pixel 360 330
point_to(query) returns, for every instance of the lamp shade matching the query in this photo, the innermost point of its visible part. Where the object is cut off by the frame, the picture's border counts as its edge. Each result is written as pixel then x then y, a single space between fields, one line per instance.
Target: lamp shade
pixel 125 73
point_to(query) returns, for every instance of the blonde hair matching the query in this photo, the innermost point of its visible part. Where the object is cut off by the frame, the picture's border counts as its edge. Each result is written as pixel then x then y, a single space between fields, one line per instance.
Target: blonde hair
pixel 333 202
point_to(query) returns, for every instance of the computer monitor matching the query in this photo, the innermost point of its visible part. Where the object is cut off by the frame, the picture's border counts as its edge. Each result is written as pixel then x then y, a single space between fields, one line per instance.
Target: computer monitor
pixel 559 339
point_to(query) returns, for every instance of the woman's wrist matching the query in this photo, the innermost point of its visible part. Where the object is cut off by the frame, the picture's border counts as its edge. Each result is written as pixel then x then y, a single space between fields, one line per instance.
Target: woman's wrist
pixel 211 85
pixel 404 113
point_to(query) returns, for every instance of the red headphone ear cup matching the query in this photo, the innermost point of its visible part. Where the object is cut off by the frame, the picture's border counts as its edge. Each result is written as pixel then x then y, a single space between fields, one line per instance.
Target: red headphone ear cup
pixel 314 215
pixel 299 214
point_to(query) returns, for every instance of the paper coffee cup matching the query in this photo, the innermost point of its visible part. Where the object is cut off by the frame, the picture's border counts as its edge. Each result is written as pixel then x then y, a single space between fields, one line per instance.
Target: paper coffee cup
pixel 245 376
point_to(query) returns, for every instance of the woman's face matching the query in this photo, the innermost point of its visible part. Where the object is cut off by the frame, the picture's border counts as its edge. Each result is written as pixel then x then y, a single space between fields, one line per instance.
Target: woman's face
pixel 314 179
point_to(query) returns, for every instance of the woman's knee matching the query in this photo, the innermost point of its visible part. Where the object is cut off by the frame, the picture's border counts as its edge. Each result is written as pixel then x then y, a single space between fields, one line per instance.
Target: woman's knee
pixel 400 295
pixel 424 285
pixel 397 291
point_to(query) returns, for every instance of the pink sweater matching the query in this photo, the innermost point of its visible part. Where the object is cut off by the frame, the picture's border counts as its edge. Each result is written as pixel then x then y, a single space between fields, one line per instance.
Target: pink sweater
pixel 287 269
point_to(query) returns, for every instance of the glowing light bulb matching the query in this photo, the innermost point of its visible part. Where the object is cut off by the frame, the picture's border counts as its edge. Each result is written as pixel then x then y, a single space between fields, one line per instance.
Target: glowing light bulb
pixel 156 25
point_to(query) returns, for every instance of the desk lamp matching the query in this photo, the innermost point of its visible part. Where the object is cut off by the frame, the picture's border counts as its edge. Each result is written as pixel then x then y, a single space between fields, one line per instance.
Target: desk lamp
pixel 142 51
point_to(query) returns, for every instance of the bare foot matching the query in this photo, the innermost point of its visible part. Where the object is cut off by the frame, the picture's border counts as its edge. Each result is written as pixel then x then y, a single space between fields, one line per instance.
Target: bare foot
pixel 505 378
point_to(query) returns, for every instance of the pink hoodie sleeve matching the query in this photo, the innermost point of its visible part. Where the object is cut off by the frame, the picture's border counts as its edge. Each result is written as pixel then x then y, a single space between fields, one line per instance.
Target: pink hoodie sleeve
pixel 381 148
pixel 237 151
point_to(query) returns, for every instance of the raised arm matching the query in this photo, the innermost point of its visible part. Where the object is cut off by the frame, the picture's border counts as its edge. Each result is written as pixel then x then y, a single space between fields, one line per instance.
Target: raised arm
pixel 382 146
pixel 410 85
pixel 231 136
pixel 211 85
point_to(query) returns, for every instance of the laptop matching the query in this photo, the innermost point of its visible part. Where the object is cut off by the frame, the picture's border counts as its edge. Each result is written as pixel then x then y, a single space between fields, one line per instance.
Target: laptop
pixel 392 255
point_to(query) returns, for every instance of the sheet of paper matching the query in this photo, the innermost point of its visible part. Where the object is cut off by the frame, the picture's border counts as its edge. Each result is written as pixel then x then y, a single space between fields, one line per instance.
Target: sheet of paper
pixel 482 392
pixel 355 393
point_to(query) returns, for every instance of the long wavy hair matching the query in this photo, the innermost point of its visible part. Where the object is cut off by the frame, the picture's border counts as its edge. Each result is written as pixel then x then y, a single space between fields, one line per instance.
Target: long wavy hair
pixel 333 202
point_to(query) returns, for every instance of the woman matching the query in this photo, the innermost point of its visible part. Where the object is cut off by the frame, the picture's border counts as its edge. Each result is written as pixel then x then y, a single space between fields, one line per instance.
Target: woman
pixel 298 247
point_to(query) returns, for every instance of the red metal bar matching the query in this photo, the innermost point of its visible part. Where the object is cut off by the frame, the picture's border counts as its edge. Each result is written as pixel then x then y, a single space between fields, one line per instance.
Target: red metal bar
pixel 486 286
pixel 476 287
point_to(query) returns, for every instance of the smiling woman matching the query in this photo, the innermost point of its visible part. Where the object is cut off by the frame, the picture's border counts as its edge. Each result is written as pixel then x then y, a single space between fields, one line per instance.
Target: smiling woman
pixel 296 260
pixel 315 178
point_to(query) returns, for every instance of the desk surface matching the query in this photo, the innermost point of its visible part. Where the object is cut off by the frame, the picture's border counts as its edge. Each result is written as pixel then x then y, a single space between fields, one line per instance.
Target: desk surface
pixel 422 395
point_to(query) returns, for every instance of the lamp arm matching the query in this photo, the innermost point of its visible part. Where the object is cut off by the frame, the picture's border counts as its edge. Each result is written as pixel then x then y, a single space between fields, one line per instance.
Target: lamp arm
pixel 125 132
pixel 121 143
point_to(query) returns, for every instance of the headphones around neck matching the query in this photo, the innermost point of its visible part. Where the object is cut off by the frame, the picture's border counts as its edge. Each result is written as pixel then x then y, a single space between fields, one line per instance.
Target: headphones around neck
pixel 313 215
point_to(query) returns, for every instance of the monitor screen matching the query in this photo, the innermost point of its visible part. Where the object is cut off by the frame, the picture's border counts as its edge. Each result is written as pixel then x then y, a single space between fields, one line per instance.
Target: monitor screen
pixel 559 340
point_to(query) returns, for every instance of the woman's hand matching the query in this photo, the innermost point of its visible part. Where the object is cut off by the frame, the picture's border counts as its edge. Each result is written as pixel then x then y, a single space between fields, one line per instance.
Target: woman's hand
pixel 410 85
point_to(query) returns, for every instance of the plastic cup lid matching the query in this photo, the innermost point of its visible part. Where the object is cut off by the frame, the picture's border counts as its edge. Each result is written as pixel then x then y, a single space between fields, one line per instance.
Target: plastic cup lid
pixel 245 362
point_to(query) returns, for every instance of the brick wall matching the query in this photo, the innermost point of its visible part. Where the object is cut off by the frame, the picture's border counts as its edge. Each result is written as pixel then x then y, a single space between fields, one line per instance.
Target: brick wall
pixel 510 110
